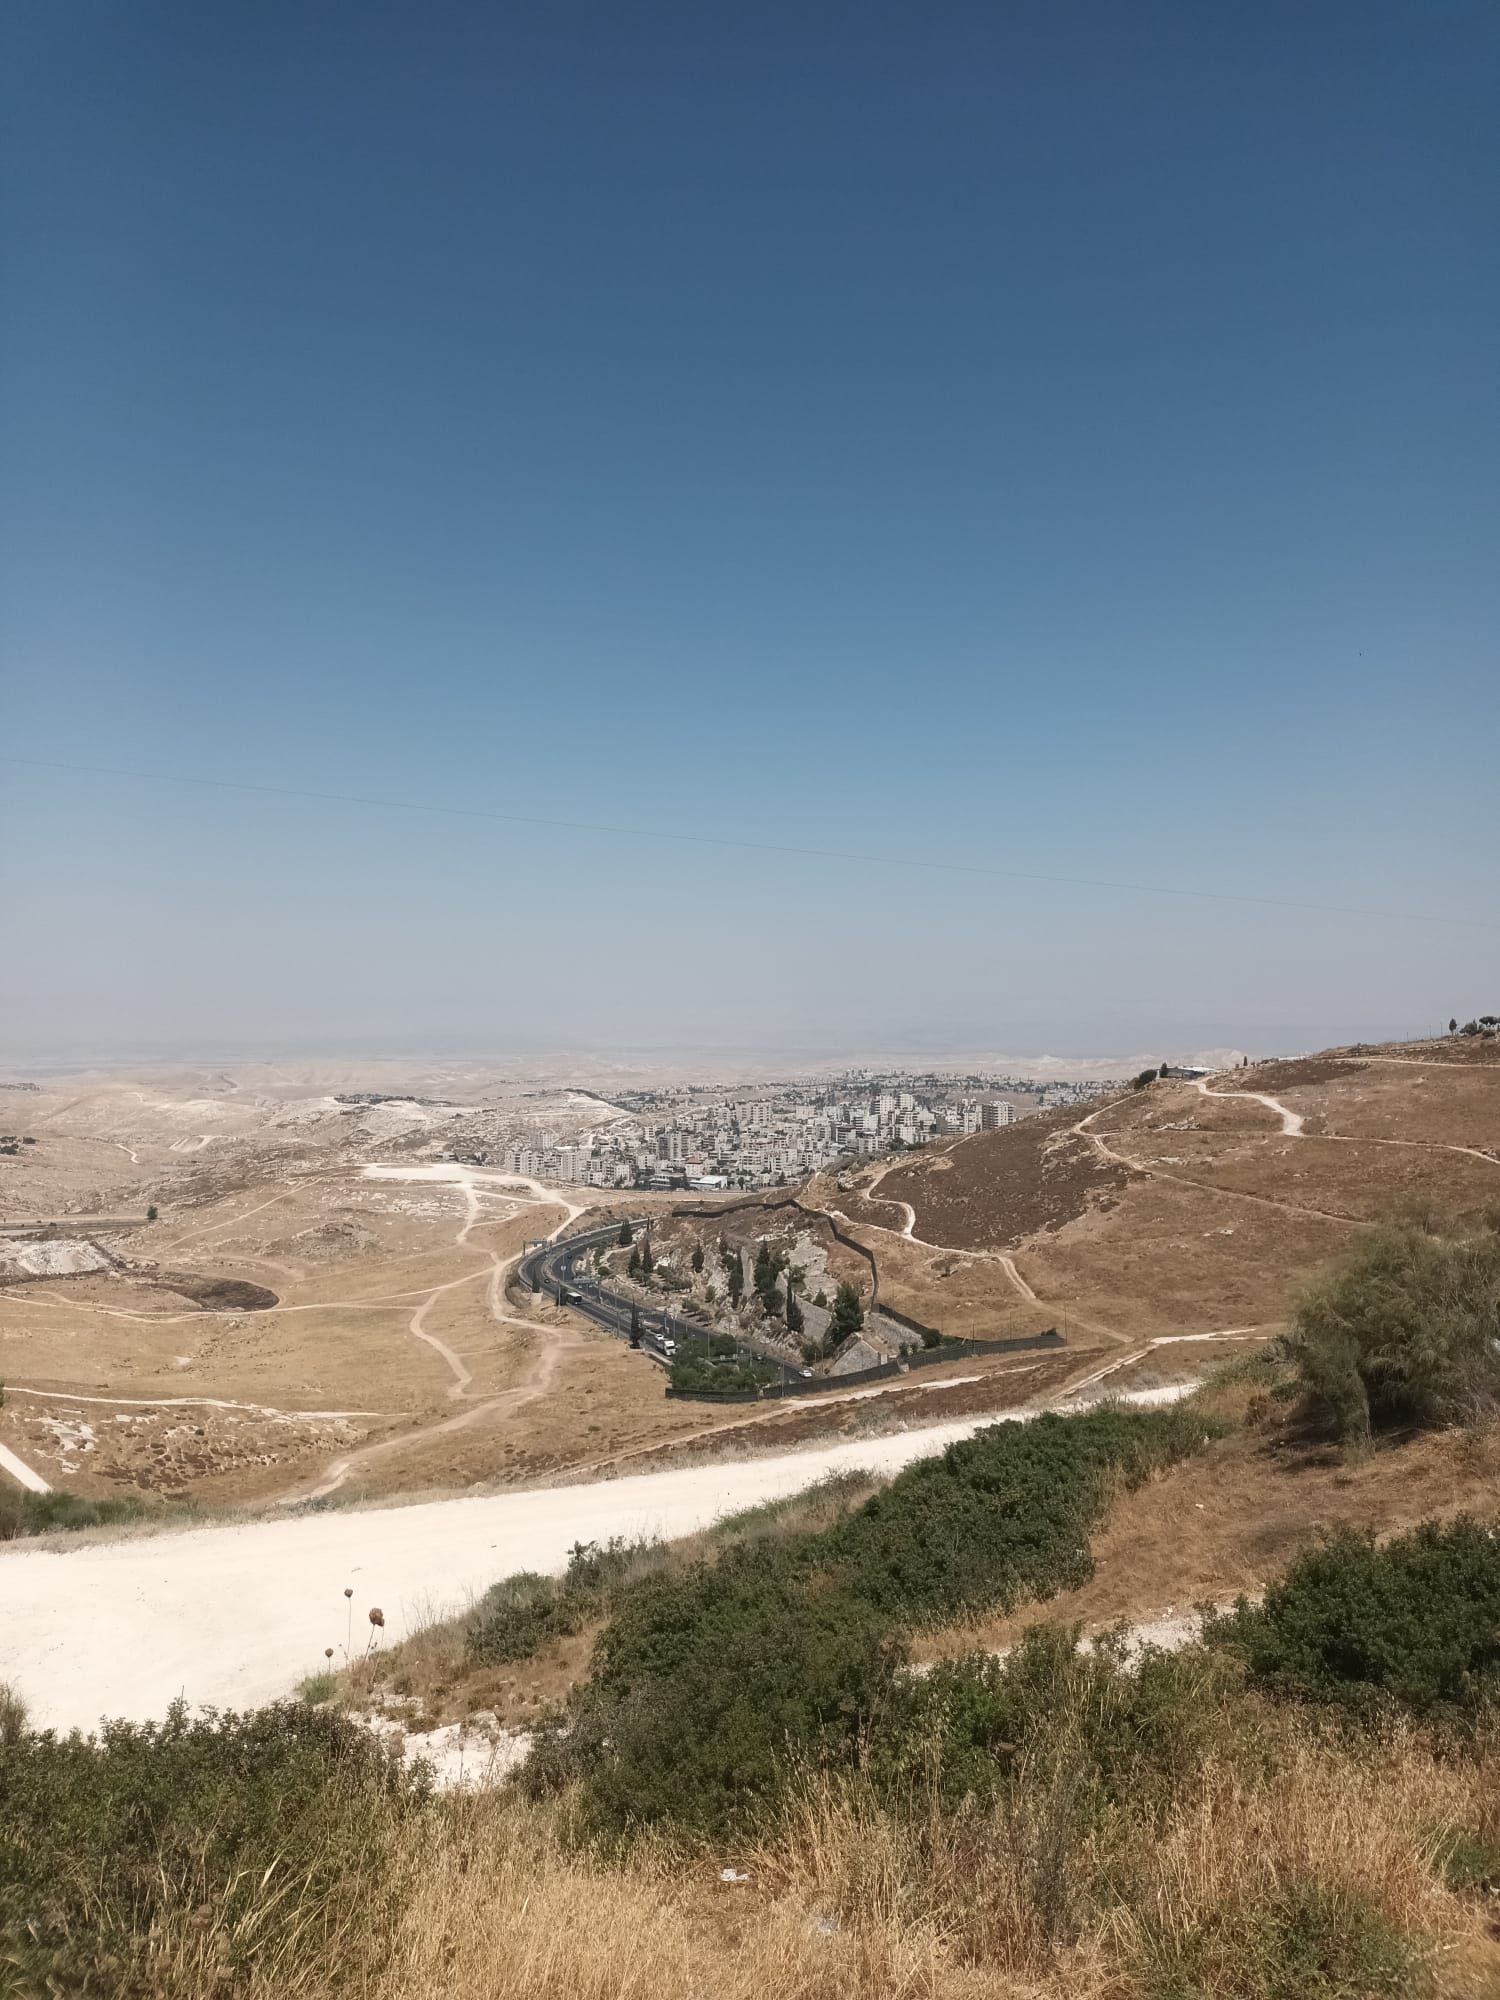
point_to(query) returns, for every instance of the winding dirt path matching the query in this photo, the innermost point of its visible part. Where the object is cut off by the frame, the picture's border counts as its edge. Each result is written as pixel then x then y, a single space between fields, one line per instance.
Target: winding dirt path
pixel 472 1183
pixel 1291 1121
pixel 1107 1152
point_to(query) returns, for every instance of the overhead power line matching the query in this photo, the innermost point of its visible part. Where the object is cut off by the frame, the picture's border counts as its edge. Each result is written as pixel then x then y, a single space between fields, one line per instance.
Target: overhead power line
pixel 849 857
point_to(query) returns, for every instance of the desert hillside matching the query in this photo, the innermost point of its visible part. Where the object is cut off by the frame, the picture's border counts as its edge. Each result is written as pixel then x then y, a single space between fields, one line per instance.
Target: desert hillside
pixel 1182 1207
pixel 260 1286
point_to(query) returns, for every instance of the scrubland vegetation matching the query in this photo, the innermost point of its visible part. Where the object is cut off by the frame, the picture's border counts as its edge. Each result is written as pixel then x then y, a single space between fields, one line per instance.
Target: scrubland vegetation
pixel 1306 1801
pixel 1406 1331
pixel 23 1513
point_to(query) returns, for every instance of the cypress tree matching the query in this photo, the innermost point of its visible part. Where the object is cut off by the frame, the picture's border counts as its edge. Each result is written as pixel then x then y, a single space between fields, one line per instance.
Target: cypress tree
pixel 848 1313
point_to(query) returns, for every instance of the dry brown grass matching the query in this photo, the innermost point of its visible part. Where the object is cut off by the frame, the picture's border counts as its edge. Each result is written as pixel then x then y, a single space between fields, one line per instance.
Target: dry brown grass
pixel 503 1908
pixel 1274 1850
pixel 1227 1521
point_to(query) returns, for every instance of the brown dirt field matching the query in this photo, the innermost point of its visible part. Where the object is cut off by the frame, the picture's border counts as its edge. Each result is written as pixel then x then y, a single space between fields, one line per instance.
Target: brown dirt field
pixel 996 1188
pixel 1228 1521
pixel 1336 1177
pixel 1276 1077
pixel 1171 1107
pixel 1448 1106
pixel 870 1208
pixel 1463 1051
pixel 1177 1259
pixel 965 1293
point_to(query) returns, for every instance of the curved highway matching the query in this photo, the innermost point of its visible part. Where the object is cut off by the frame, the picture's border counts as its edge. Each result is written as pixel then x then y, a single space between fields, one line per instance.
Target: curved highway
pixel 562 1270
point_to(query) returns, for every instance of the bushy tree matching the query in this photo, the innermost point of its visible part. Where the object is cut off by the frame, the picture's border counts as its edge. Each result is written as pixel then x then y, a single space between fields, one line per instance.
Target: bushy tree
pixel 626 1234
pixel 1406 1331
pixel 697 1257
pixel 734 1275
pixel 794 1317
pixel 634 1266
pixel 635 1326
pixel 648 1262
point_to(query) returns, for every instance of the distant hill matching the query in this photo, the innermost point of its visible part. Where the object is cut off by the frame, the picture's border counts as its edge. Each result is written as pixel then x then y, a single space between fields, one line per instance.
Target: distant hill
pixel 1184 1206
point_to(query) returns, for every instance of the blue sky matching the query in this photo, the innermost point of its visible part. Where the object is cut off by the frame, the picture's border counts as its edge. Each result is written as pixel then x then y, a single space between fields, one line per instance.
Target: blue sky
pixel 1060 439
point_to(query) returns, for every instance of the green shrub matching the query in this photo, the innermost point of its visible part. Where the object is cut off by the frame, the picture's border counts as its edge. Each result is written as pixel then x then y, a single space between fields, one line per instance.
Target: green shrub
pixel 41 1513
pixel 716 1365
pixel 519 1615
pixel 1305 1940
pixel 1405 1332
pixel 1004 1514
pixel 709 1684
pixel 1415 1623
pixel 102 1838
pixel 1129 1728
pixel 703 1686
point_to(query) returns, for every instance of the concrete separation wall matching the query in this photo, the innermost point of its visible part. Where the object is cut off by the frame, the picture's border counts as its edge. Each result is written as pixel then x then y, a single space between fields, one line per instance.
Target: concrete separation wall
pixel 951 1350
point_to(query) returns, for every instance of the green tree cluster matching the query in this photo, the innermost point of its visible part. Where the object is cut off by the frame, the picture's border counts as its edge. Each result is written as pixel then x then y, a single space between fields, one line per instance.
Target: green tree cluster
pixel 769 1265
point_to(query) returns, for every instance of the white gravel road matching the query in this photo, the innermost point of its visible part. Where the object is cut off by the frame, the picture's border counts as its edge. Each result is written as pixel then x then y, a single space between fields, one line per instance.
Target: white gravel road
pixel 237 1615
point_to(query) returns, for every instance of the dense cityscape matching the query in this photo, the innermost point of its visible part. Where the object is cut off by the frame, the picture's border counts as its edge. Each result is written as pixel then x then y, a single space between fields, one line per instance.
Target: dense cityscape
pixel 711 1137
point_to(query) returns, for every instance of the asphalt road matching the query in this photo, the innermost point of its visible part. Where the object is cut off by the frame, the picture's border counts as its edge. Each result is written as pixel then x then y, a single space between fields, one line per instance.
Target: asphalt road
pixel 562 1269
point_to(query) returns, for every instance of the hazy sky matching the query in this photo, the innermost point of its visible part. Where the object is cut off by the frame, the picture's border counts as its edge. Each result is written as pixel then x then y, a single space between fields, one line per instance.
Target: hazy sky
pixel 1061 439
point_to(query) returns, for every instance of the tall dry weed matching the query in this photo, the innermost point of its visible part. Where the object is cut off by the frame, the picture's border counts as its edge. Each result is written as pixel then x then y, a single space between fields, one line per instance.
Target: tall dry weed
pixel 1292 1861
pixel 1325 1866
pixel 503 1907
